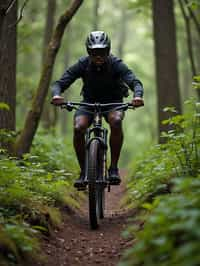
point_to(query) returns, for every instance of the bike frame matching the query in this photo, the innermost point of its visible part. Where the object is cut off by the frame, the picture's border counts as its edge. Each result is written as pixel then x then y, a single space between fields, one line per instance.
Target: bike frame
pixel 97 131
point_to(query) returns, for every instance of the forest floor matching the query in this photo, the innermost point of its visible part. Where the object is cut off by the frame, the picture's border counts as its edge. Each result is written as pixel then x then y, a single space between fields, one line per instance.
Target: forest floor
pixel 76 244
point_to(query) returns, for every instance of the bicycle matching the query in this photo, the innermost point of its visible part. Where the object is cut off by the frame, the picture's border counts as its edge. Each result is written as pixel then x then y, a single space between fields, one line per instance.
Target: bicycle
pixel 96 174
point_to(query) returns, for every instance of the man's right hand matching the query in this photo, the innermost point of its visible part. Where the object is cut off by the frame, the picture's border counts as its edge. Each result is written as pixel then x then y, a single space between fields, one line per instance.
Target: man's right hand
pixel 57 100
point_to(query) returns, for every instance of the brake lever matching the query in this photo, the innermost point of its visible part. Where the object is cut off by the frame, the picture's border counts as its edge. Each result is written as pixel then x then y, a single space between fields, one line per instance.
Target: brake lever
pixel 69 106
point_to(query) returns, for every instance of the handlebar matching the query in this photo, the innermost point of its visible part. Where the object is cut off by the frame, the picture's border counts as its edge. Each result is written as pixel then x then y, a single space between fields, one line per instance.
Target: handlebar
pixel 96 106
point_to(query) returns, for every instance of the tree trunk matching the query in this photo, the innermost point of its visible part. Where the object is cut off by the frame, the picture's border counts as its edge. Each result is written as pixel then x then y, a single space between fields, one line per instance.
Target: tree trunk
pixel 24 141
pixel 122 32
pixel 193 17
pixel 50 16
pixel 49 25
pixel 3 7
pixel 96 15
pixel 2 17
pixel 8 48
pixel 64 114
pixel 166 60
pixel 187 20
pixel 189 38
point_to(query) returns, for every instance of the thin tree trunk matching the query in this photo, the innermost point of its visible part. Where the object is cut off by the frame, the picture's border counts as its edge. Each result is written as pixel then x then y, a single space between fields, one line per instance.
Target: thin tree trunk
pixel 24 141
pixel 189 39
pixel 96 15
pixel 64 114
pixel 122 33
pixel 193 16
pixel 8 46
pixel 197 51
pixel 49 25
pixel 189 42
pixel 50 17
pixel 166 60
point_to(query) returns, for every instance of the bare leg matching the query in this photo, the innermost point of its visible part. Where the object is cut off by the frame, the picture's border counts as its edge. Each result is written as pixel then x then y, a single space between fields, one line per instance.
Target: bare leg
pixel 116 136
pixel 81 123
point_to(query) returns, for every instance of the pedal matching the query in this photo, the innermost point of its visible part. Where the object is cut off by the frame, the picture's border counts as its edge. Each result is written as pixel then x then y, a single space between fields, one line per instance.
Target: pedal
pixel 114 182
pixel 101 182
pixel 83 188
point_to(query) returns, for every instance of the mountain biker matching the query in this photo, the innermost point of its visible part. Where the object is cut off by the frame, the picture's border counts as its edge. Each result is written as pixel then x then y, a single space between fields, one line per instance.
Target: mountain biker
pixel 105 79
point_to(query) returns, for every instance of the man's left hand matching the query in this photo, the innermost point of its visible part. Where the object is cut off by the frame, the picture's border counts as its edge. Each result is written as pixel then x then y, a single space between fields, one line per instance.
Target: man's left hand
pixel 137 102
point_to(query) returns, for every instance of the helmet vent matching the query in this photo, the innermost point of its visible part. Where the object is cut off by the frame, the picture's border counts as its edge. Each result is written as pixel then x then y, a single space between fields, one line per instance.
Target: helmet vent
pixel 98 39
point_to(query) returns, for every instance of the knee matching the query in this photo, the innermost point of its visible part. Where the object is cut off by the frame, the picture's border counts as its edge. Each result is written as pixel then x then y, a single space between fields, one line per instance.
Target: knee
pixel 79 129
pixel 80 126
pixel 115 122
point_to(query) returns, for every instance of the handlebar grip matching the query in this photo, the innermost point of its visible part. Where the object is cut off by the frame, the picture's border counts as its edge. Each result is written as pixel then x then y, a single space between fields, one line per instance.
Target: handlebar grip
pixel 69 106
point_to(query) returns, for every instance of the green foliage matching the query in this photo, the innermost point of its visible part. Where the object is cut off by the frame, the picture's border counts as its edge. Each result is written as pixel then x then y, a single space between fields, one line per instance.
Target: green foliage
pixel 32 189
pixel 183 140
pixel 150 176
pixel 178 157
pixel 170 235
pixel 196 82
pixel 194 4
pixel 18 239
pixel 4 106
pixel 7 137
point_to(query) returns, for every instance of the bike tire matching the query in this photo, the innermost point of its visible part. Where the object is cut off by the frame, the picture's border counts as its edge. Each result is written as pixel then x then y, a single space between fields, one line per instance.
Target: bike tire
pixel 101 203
pixel 95 190
pixel 101 190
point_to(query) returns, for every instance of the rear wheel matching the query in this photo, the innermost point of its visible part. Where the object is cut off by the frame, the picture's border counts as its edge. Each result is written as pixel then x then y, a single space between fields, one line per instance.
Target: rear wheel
pixel 96 189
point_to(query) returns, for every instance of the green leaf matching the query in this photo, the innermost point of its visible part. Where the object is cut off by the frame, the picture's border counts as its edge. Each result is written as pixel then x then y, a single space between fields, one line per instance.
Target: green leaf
pixel 40 228
pixel 170 109
pixel 147 206
pixel 4 106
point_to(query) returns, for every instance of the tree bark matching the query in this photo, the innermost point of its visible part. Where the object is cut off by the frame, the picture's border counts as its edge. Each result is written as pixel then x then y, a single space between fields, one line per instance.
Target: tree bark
pixel 193 16
pixel 96 15
pixel 24 141
pixel 166 60
pixel 8 46
pixel 4 5
pixel 187 20
pixel 2 16
pixel 122 32
pixel 49 25
pixel 189 38
pixel 65 115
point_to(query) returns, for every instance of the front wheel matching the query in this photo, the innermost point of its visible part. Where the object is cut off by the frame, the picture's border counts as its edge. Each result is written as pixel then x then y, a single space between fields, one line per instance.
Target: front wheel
pixel 95 188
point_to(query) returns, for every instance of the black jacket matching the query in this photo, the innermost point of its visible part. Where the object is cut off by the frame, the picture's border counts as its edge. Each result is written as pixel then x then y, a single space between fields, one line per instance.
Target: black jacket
pixel 107 83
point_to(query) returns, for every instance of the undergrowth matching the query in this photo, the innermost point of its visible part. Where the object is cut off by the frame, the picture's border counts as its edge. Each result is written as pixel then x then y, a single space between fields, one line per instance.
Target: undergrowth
pixel 165 188
pixel 32 191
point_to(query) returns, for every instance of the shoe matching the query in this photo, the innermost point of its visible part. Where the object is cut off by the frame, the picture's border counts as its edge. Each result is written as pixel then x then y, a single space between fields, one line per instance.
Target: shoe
pixel 79 183
pixel 113 176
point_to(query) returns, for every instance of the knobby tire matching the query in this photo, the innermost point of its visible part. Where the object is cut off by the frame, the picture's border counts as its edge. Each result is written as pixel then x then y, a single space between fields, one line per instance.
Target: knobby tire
pixel 96 191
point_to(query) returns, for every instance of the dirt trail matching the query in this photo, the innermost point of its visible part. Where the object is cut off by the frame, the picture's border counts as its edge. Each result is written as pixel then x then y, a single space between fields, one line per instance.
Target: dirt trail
pixel 75 244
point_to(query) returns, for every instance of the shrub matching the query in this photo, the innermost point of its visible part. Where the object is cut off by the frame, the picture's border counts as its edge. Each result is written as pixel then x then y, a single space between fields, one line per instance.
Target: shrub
pixel 31 192
pixel 170 235
pixel 180 156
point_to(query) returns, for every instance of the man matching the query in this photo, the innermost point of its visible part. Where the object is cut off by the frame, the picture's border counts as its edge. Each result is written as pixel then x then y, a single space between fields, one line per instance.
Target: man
pixel 105 80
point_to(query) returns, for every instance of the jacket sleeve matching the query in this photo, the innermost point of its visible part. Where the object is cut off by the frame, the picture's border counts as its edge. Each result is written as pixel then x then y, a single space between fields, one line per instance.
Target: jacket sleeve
pixel 70 75
pixel 130 79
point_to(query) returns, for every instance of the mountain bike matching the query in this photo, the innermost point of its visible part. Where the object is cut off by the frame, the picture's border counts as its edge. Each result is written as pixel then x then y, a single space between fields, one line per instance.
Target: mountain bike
pixel 96 174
